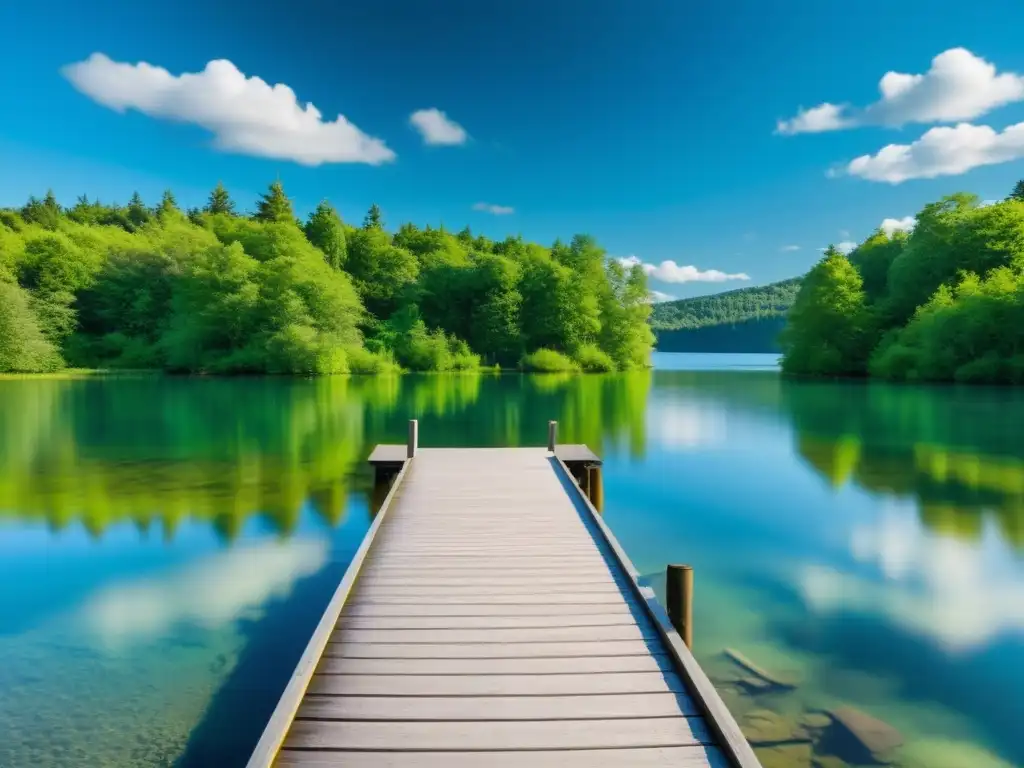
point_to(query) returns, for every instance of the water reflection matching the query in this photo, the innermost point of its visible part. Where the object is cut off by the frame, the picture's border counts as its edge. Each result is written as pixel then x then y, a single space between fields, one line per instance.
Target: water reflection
pixel 247 578
pixel 187 532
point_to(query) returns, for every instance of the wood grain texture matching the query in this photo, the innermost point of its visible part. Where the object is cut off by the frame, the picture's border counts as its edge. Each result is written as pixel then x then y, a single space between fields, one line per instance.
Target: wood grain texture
pixel 585 665
pixel 495 685
pixel 505 734
pixel 564 649
pixel 492 624
pixel 434 708
pixel 649 757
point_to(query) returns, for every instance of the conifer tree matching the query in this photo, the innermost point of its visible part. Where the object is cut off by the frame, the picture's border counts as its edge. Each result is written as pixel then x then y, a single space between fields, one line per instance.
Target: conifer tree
pixel 374 219
pixel 220 201
pixel 274 205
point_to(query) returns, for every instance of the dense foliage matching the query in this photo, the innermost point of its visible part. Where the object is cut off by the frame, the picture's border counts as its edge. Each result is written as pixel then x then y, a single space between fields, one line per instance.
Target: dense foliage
pixel 213 291
pixel 728 308
pixel 944 303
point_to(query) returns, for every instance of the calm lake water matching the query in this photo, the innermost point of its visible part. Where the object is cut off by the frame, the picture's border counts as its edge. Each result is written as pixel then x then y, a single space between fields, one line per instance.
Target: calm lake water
pixel 167 545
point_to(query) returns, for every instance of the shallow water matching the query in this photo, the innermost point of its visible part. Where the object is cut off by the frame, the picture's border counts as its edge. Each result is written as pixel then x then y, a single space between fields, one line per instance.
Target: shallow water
pixel 166 545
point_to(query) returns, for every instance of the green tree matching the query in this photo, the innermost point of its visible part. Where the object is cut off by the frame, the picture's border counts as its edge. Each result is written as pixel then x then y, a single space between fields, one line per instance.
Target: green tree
pixel 274 205
pixel 220 201
pixel 46 212
pixel 168 206
pixel 374 219
pixel 138 214
pixel 23 348
pixel 829 323
pixel 325 230
pixel 1018 191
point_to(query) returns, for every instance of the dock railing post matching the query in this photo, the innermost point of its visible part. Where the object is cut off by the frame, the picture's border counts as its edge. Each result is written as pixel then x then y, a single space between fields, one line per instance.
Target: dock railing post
pixel 414 438
pixel 552 435
pixel 679 600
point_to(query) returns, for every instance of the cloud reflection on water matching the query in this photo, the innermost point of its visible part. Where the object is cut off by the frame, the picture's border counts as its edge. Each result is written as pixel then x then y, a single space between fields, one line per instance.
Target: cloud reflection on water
pixel 209 592
pixel 962 594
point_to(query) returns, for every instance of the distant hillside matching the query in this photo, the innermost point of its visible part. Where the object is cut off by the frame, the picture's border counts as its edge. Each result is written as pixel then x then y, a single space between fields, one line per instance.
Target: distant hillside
pixel 743 320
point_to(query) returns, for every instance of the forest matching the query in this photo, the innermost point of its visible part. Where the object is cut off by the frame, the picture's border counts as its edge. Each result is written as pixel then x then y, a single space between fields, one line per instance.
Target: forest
pixel 944 302
pixel 727 308
pixel 214 291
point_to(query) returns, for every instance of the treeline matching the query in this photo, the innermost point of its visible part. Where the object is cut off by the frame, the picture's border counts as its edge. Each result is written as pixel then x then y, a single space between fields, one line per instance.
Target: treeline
pixel 728 308
pixel 942 303
pixel 214 291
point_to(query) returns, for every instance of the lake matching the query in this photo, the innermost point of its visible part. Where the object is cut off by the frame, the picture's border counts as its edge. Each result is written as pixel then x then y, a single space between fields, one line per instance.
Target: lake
pixel 168 544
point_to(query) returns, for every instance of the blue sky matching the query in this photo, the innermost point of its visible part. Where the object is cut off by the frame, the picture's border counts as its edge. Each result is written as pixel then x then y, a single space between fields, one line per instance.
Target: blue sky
pixel 651 125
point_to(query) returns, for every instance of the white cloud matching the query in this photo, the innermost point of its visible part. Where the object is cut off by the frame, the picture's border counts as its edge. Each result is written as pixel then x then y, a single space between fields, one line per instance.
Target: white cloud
pixel 825 117
pixel 679 423
pixel 245 114
pixel 958 86
pixel 789 248
pixel 962 594
pixel 670 272
pixel 891 226
pixel 211 592
pixel 497 210
pixel 942 151
pixel 437 128
pixel 846 246
pixel 657 297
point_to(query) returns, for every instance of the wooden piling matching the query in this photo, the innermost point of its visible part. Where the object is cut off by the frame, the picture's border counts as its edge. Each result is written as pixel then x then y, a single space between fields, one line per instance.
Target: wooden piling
pixel 596 487
pixel 552 435
pixel 679 600
pixel 414 438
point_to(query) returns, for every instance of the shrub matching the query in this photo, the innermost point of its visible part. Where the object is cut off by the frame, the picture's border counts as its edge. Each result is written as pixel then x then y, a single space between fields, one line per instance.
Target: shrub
pixel 593 359
pixel 548 361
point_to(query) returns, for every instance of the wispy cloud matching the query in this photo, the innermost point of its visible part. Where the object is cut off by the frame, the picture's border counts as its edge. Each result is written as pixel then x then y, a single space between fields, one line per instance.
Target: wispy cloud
pixel 958 86
pixel 245 114
pixel 789 248
pixel 671 272
pixel 437 128
pixel 657 297
pixel 496 210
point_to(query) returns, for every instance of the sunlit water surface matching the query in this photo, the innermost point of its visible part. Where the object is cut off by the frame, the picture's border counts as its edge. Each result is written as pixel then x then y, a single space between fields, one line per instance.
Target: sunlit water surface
pixel 167 545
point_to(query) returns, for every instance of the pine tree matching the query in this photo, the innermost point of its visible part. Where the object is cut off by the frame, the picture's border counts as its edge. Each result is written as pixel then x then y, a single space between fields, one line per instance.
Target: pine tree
pixel 168 204
pixel 274 205
pixel 374 219
pixel 220 201
pixel 1018 191
pixel 137 212
pixel 325 230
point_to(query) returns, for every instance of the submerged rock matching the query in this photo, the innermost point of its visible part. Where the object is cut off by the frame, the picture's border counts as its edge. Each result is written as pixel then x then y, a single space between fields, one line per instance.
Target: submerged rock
pixel 860 738
pixel 757 676
pixel 785 756
pixel 764 727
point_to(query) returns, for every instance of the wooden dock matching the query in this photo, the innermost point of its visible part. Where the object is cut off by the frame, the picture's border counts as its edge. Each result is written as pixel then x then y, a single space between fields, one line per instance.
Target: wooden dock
pixel 490 618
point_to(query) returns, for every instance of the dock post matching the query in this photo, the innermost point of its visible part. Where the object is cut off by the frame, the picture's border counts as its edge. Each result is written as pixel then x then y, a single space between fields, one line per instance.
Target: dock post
pixel 414 438
pixel 596 488
pixel 679 600
pixel 552 435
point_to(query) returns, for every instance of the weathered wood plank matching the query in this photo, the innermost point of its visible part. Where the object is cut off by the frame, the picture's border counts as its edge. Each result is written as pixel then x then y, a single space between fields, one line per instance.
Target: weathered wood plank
pixel 393 708
pixel 484 609
pixel 537 598
pixel 467 590
pixel 453 636
pixel 483 622
pixel 504 734
pixel 419 579
pixel 495 685
pixel 589 665
pixel 647 757
pixel 343 645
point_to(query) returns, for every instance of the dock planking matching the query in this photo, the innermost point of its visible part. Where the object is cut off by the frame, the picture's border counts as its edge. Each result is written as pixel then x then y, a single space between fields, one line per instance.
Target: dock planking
pixel 489 618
